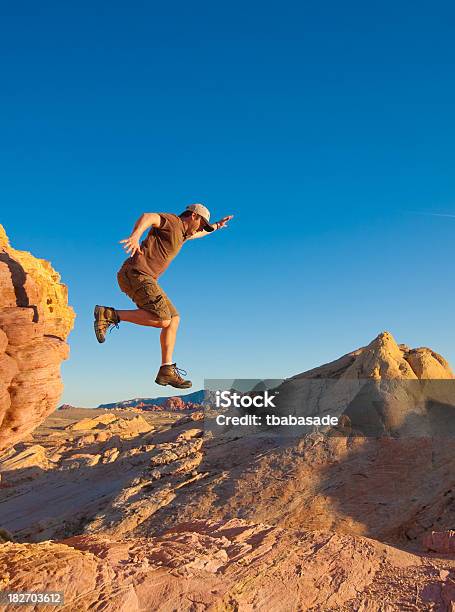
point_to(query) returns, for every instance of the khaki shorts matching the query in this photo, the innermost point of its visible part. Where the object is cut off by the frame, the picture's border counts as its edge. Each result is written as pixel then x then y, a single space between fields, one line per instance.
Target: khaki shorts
pixel 146 293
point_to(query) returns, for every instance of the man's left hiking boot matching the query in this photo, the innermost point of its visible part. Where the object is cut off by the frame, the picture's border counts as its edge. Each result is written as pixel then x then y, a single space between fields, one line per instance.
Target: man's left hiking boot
pixel 105 318
pixel 171 375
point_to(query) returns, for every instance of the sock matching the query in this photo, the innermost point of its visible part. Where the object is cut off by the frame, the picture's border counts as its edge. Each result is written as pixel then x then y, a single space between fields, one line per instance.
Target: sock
pixel 167 363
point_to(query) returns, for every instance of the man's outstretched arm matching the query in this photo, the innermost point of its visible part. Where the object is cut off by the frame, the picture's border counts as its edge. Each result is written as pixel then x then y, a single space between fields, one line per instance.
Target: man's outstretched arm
pixel 217 225
pixel 146 220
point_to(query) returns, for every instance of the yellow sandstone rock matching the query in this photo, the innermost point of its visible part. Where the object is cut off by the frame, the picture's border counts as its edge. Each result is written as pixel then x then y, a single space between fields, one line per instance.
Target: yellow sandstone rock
pixel 26 280
pixel 35 321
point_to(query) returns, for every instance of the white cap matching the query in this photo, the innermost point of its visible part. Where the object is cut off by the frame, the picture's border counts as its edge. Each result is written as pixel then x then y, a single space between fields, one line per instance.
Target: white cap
pixel 204 212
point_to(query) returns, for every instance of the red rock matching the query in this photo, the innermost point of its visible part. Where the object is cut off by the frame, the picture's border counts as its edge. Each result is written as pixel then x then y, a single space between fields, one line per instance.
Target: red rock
pixel 35 320
pixel 174 403
pixel 229 565
pixel 3 341
pixel 440 541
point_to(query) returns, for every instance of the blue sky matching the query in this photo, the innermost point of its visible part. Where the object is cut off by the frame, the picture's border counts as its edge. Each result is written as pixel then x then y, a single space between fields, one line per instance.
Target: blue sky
pixel 325 128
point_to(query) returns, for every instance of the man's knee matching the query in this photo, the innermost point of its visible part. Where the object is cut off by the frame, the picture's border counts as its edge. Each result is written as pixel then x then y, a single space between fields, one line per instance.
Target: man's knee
pixel 172 322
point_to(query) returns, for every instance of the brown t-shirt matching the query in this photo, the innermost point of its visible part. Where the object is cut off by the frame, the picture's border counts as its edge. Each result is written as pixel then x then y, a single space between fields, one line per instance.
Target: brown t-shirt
pixel 159 247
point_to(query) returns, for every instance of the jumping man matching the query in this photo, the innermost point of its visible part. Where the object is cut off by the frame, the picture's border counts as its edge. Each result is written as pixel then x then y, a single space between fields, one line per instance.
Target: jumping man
pixel 139 274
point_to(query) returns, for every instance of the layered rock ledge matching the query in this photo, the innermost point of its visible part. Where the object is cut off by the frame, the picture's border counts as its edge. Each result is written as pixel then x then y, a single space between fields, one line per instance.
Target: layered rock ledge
pixel 35 321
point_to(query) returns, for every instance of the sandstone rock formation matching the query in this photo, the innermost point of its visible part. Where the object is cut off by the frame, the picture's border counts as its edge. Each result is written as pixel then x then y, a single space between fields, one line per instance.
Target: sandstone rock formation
pixel 119 469
pixel 125 428
pixel 194 416
pixel 190 401
pixel 172 517
pixel 383 388
pixel 383 358
pixel 234 565
pixel 35 320
pixel 440 541
pixel 393 487
pixel 174 403
pixel 93 422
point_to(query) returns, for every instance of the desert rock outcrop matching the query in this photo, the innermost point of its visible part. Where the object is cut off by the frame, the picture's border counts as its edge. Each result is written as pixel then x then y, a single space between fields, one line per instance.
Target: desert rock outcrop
pixel 383 358
pixel 169 515
pixel 382 388
pixel 395 486
pixel 35 320
pixel 232 565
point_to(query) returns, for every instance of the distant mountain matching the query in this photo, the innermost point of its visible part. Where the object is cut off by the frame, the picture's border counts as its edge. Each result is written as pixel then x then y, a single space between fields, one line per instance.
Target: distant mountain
pixel 196 397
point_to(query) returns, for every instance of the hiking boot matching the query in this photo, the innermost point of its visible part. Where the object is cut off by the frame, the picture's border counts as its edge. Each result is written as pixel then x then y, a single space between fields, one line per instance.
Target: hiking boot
pixel 171 375
pixel 105 318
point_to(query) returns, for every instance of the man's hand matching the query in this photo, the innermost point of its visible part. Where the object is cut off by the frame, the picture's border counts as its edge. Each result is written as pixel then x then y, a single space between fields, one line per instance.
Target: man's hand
pixel 131 244
pixel 224 221
pixel 146 220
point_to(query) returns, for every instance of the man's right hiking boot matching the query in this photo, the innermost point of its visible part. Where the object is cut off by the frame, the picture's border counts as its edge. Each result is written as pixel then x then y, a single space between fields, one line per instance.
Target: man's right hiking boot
pixel 171 375
pixel 105 318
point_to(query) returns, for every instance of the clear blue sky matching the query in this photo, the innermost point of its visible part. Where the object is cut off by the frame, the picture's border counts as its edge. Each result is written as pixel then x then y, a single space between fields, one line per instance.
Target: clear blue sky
pixel 321 126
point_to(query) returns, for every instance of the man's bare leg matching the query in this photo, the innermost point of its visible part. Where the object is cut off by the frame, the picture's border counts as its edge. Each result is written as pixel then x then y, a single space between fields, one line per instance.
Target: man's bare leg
pixel 168 374
pixel 142 317
pixel 168 327
pixel 167 340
